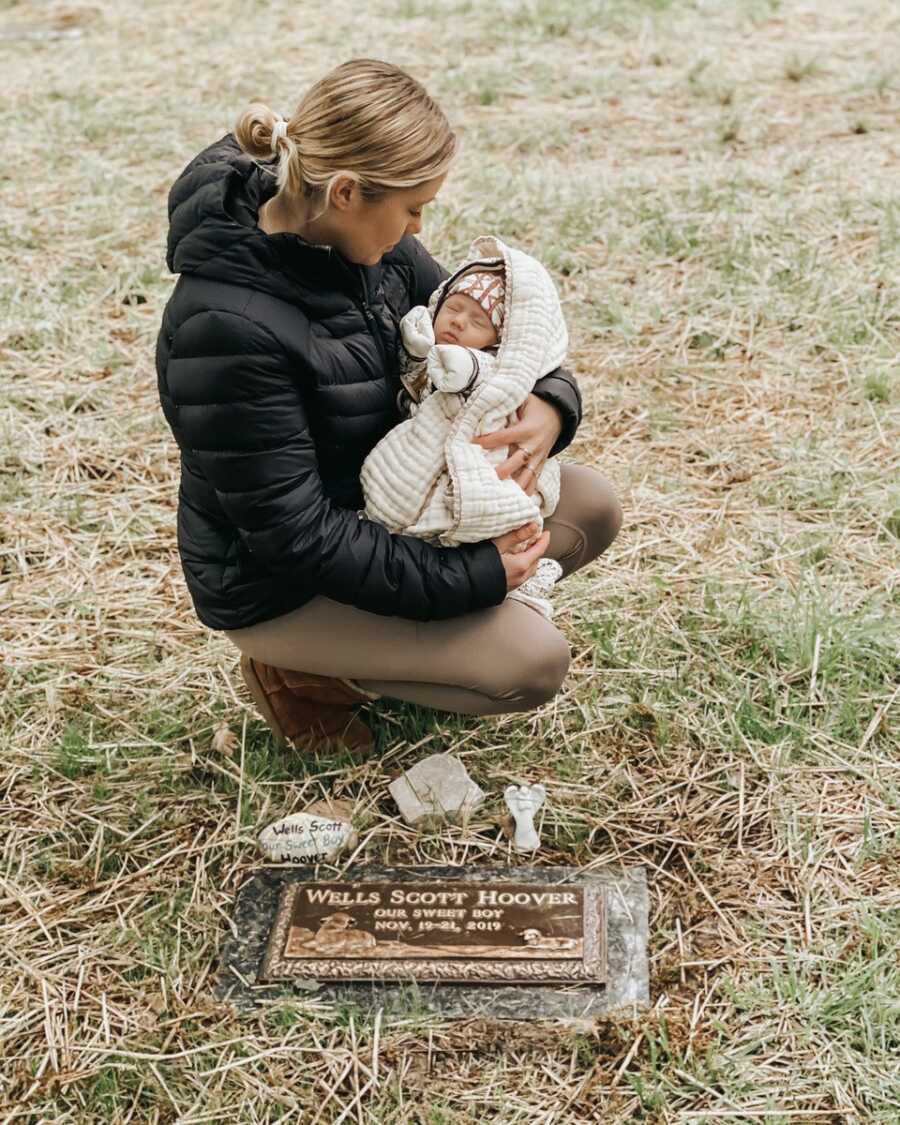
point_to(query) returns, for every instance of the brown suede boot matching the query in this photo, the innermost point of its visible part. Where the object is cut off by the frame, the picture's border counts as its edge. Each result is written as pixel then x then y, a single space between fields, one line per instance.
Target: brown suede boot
pixel 308 711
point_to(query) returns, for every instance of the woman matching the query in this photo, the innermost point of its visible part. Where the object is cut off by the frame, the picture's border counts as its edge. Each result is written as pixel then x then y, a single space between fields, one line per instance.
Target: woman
pixel 277 365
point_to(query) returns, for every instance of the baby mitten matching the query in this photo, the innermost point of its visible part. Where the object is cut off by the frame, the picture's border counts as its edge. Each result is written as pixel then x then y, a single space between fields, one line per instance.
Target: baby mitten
pixel 417 332
pixel 451 367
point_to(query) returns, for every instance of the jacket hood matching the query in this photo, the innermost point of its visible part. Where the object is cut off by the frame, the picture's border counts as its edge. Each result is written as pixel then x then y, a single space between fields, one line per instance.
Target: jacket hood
pixel 213 209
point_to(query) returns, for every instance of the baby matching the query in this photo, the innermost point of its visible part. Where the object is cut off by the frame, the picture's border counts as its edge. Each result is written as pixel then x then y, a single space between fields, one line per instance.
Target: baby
pixel 468 317
pixel 462 375
pixel 472 312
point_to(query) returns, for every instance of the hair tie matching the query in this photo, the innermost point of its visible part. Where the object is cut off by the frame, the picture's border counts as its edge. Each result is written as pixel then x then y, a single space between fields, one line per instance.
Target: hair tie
pixel 279 130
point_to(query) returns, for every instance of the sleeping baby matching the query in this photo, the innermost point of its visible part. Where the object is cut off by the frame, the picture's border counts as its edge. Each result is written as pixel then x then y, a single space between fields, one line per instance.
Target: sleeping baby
pixel 472 357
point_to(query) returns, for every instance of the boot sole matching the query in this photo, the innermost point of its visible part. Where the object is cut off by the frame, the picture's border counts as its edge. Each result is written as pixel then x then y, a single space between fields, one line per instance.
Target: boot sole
pixel 262 704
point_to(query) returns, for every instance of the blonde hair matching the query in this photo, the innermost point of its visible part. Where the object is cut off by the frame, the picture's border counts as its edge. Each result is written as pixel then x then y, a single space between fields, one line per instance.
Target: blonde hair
pixel 366 119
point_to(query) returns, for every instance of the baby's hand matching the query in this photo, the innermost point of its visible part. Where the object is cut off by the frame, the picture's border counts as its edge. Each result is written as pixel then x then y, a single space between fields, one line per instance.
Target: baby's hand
pixel 451 367
pixel 417 332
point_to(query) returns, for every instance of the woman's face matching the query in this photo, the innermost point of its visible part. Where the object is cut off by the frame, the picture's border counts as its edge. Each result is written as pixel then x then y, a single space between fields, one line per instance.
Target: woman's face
pixel 368 229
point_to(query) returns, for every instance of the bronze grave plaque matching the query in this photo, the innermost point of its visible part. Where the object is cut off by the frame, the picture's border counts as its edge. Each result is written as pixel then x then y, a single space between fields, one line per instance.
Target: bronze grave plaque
pixel 445 930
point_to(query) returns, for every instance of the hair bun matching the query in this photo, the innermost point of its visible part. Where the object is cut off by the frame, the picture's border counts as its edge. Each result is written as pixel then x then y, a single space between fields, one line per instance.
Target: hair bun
pixel 255 131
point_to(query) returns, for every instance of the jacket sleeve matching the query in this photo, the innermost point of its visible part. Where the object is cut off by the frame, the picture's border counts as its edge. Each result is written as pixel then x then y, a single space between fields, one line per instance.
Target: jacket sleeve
pixel 560 390
pixel 256 451
pixel 558 387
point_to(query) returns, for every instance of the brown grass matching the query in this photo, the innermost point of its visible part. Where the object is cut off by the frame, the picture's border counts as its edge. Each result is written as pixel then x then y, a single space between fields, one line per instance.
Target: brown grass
pixel 714 187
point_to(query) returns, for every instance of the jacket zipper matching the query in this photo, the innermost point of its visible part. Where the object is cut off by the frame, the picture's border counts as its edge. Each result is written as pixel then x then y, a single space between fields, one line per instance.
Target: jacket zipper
pixel 372 322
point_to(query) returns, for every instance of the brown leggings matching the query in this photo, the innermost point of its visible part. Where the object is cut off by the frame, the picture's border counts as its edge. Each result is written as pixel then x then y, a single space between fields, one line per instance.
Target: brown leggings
pixel 507 658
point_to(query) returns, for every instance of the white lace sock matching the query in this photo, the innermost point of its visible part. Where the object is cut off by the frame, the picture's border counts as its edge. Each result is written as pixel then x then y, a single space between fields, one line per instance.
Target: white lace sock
pixel 534 591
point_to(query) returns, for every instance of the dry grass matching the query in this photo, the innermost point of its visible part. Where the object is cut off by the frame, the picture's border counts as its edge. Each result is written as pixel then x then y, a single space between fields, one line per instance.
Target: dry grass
pixel 714 186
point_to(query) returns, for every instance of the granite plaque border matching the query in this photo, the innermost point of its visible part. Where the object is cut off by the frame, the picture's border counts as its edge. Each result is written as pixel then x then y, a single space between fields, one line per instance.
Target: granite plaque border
pixel 626 988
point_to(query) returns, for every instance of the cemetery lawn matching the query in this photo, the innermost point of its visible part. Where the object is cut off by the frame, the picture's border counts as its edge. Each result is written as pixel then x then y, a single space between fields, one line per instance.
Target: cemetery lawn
pixel 714 187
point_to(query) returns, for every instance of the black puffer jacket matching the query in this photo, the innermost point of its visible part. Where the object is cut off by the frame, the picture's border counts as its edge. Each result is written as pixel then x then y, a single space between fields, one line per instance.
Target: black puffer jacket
pixel 277 367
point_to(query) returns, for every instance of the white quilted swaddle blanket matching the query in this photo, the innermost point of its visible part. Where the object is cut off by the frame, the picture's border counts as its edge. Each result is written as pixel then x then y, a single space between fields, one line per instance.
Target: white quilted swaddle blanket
pixel 426 477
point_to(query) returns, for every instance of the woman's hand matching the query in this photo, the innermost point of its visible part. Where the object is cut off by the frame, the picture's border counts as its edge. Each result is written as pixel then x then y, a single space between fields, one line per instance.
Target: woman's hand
pixel 530 441
pixel 520 552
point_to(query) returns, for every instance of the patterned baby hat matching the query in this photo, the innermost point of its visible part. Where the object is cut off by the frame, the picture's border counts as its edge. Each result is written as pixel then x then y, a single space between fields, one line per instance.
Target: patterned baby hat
pixel 488 289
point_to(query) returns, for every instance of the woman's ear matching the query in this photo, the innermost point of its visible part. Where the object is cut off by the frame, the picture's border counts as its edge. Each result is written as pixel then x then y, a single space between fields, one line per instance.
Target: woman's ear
pixel 344 193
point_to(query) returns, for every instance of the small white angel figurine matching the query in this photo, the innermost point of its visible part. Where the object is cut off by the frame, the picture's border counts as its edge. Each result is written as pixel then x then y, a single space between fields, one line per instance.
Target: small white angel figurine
pixel 523 801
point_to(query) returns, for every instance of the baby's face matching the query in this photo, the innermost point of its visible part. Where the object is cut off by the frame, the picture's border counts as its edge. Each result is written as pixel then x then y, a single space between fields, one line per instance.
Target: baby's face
pixel 461 320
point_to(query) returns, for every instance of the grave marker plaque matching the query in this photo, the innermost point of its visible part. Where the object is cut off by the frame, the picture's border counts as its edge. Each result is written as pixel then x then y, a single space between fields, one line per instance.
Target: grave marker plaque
pixel 548 957
pixel 438 931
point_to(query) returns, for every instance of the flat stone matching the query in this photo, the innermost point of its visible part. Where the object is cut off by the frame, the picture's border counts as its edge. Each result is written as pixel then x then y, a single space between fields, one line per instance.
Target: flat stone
pixel 315 835
pixel 435 791
pixel 625 989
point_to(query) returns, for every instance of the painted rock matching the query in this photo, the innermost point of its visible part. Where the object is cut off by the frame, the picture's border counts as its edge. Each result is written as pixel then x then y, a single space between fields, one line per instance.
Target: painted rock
pixel 307 837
